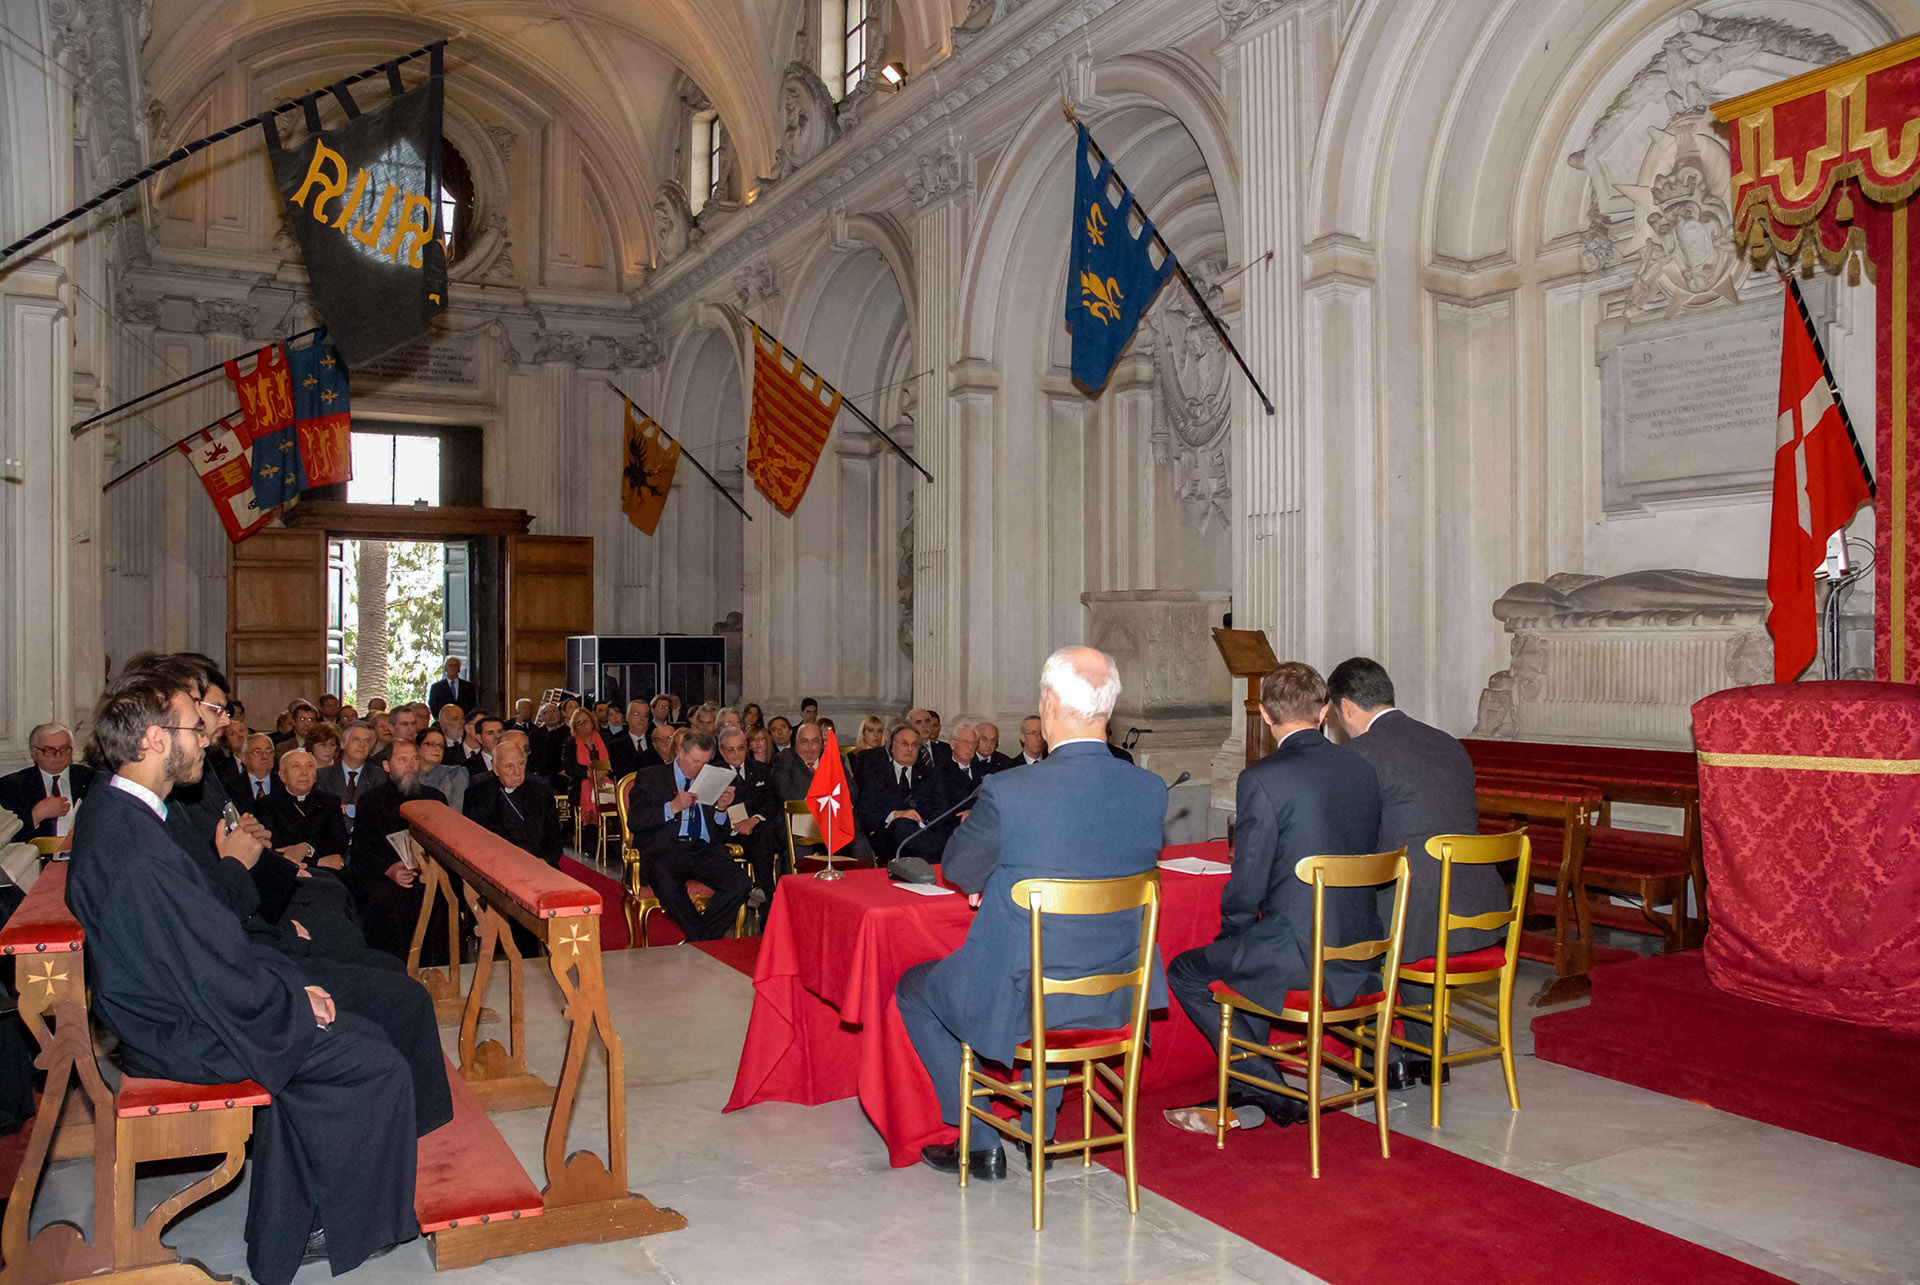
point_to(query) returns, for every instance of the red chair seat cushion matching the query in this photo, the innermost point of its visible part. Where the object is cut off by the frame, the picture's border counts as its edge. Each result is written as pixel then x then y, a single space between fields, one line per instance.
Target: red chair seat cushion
pixel 1486 960
pixel 138 1097
pixel 1077 1039
pixel 1295 999
pixel 466 1172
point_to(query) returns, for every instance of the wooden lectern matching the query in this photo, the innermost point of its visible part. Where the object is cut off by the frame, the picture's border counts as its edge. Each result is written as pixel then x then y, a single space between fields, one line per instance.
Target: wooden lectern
pixel 1248 655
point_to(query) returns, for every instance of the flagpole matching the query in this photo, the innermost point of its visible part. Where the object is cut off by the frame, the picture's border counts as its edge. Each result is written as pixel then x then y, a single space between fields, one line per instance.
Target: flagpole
pixel 684 452
pixel 162 453
pixel 859 414
pixel 1826 371
pixel 1219 327
pixel 167 388
pixel 182 152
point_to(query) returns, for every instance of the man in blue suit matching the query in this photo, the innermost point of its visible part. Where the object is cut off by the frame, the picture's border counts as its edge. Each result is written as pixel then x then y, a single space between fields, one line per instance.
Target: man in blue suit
pixel 1081 814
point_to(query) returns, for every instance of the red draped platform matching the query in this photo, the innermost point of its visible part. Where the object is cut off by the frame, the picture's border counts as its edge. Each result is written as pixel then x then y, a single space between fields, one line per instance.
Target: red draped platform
pixel 825 1025
pixel 1810 821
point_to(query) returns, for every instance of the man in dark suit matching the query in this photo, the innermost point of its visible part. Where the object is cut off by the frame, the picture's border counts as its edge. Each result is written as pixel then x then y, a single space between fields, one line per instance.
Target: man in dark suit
pixel 965 767
pixel 353 775
pixel 898 797
pixel 631 748
pixel 681 841
pixel 762 832
pixel 986 738
pixel 1033 742
pixel 1426 788
pixel 42 794
pixel 256 770
pixel 517 807
pixel 452 690
pixel 1081 815
pixel 1308 798
pixel 934 752
pixel 793 767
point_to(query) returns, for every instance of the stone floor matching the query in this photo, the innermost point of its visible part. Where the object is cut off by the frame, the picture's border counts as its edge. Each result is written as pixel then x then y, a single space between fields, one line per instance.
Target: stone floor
pixel 783 1193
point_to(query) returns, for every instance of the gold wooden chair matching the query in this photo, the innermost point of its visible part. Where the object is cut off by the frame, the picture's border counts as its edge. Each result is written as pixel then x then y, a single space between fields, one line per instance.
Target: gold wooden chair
pixel 48 846
pixel 1091 1049
pixel 1349 1022
pixel 640 904
pixel 804 832
pixel 601 789
pixel 1446 974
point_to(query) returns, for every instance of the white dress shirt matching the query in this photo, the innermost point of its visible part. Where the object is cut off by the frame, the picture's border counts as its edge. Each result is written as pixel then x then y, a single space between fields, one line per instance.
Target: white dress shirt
pixel 142 793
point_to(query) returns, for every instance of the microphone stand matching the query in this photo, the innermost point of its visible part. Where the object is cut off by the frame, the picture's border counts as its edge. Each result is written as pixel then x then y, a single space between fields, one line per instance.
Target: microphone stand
pixel 925 826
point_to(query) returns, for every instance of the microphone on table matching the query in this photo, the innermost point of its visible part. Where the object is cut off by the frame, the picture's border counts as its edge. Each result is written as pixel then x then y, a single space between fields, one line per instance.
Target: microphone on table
pixel 1180 780
pixel 919 871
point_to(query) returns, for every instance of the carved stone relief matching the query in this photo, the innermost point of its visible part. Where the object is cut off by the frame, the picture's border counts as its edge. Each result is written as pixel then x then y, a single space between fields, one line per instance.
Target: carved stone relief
pixel 809 120
pixel 939 175
pixel 225 317
pixel 757 284
pixel 1192 401
pixel 673 227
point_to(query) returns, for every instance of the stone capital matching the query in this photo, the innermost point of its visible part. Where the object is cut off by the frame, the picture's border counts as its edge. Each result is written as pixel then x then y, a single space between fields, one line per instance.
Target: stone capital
pixel 225 317
pixel 939 176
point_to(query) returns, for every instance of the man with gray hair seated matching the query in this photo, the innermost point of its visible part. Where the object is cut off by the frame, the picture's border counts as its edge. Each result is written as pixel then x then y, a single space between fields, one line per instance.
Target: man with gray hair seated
pixel 1080 814
pixel 42 794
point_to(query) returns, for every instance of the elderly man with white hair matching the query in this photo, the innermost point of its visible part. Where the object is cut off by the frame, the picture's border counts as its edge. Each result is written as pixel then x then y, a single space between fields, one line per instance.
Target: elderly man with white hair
pixel 1080 814
pixel 42 794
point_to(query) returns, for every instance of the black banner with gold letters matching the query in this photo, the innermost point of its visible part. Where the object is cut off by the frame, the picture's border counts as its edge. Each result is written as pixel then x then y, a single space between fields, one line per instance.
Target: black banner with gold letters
pixel 363 200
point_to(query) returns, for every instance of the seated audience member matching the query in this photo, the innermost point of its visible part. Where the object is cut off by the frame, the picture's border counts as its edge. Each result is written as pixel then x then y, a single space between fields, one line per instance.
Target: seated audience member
pixel 348 714
pixel 404 729
pixel 666 742
pixel 307 831
pixel 660 710
pixel 353 775
pixel 386 889
pixel 1081 815
pixel 223 756
pixel 452 689
pixel 898 798
pixel 602 713
pixel 677 714
pixel 986 742
pixel 760 746
pixel 302 716
pixel 328 708
pixel 578 753
pixel 324 744
pixel 727 719
pixel 257 760
pixel 382 725
pixel 965 768
pixel 483 737
pixel 779 732
pixel 1426 788
pixel 927 723
pixel 705 718
pixel 378 705
pixel 793 767
pixel 43 793
pixel 517 806
pixel 680 842
pixel 192 999
pixel 809 710
pixel 546 739
pixel 437 772
pixel 522 720
pixel 303 823
pixel 870 742
pixel 616 723
pixel 631 748
pixel 282 727
pixel 1033 742
pixel 752 716
pixel 760 832
pixel 1308 798
pixel 452 723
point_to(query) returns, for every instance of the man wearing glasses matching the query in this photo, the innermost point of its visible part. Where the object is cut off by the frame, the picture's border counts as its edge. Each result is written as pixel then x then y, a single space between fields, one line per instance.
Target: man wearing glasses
pixel 43 795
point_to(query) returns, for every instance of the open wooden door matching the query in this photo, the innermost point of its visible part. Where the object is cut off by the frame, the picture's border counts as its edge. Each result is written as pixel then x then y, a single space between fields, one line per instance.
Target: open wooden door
pixel 277 620
pixel 549 598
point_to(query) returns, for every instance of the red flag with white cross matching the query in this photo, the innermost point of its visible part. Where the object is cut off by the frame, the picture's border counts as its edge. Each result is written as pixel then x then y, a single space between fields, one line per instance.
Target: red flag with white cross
pixel 828 800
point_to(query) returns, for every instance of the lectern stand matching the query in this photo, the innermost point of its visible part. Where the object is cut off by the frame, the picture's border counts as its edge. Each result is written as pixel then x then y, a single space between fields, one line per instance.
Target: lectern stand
pixel 1248 655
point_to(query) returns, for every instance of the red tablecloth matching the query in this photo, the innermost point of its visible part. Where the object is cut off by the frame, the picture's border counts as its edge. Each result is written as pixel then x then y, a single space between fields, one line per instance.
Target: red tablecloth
pixel 1810 826
pixel 825 1025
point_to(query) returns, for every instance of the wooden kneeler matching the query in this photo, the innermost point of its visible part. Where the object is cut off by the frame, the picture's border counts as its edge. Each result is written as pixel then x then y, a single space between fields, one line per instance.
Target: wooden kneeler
pixel 585 1199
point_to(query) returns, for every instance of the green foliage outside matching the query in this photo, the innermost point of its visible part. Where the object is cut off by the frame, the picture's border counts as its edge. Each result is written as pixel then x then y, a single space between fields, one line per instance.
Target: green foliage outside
pixel 416 606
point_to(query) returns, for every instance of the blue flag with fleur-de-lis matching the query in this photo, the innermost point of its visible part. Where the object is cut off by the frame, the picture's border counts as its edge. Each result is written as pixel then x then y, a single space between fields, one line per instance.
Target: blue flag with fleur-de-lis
pixel 1111 277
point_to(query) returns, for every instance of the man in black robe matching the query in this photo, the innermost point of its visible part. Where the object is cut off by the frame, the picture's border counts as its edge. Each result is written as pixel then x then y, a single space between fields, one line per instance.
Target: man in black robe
pixel 309 833
pixel 192 998
pixel 516 806
pixel 386 888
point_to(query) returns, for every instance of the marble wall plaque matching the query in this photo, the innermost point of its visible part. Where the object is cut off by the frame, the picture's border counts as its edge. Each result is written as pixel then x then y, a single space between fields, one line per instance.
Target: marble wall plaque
pixel 448 363
pixel 1689 405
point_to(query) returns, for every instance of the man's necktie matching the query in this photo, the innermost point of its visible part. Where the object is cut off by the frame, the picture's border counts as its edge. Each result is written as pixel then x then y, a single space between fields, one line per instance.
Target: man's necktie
pixel 353 785
pixel 53 790
pixel 259 789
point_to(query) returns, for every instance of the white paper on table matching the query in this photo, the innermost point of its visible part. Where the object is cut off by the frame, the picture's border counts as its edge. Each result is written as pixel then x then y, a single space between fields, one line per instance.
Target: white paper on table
pixel 927 889
pixel 1197 866
pixel 712 782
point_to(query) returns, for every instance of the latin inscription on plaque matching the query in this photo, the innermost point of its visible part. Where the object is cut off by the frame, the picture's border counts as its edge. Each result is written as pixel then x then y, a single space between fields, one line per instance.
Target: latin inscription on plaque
pixel 423 363
pixel 1690 405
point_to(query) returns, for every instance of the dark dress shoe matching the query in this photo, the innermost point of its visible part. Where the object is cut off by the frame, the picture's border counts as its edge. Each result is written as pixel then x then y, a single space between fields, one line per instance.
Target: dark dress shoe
pixel 316 1250
pixel 1402 1076
pixel 988 1166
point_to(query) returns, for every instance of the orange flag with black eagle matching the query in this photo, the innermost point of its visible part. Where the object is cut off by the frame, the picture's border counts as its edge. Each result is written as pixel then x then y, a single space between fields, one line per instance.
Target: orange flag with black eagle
pixel 792 415
pixel 646 471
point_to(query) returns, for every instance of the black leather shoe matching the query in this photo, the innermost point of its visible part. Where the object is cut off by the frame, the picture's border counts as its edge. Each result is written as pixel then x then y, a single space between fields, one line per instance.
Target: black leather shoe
pixel 988 1166
pixel 1402 1076
pixel 316 1250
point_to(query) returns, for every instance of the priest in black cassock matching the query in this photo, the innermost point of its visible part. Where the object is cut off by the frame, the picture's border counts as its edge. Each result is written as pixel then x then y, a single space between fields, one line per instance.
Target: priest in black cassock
pixel 191 998
pixel 309 833
pixel 517 807
pixel 386 888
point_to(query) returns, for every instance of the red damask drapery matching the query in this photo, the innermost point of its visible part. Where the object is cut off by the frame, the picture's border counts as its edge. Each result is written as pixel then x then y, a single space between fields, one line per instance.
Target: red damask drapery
pixel 1825 168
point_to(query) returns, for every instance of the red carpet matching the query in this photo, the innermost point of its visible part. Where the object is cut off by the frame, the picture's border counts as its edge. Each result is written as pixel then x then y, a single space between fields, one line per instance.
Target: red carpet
pixel 1660 1024
pixel 742 954
pixel 1423 1215
pixel 613 922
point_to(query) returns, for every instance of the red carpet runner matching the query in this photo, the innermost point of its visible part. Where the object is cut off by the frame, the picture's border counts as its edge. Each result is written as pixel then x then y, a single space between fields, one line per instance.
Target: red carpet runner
pixel 742 954
pixel 1452 1219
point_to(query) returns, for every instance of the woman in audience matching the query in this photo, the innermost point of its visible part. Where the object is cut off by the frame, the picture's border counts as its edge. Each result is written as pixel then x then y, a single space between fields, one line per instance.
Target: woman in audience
pixel 435 771
pixel 729 721
pixel 752 716
pixel 583 748
pixel 760 745
pixel 382 730
pixel 283 725
pixel 324 743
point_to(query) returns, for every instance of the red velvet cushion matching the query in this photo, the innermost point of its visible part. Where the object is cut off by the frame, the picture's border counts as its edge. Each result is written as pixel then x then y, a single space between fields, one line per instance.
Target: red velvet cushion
pixel 138 1097
pixel 466 1173
pixel 1071 1039
pixel 1486 960
pixel 43 924
pixel 525 878
pixel 1295 999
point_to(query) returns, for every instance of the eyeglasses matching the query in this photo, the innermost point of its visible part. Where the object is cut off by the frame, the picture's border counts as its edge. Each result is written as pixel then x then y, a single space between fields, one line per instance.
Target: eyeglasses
pixel 55 750
pixel 219 711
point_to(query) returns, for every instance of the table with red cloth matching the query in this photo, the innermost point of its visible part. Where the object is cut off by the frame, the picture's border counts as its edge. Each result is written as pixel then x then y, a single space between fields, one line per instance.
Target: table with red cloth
pixel 1810 819
pixel 825 1025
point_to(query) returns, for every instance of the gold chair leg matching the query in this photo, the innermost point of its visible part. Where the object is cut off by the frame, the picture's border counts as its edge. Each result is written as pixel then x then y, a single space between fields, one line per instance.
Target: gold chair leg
pixel 1037 1158
pixel 1437 1037
pixel 1382 1041
pixel 1086 1111
pixel 1506 1039
pixel 966 1111
pixel 1316 1037
pixel 1220 1096
pixel 1130 1100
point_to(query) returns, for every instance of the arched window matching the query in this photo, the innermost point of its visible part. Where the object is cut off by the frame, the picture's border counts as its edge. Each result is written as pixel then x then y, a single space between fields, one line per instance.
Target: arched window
pixel 705 159
pixel 456 200
pixel 849 43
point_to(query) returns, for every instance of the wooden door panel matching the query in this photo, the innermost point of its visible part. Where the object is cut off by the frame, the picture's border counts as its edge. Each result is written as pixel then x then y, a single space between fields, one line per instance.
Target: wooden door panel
pixel 549 599
pixel 277 620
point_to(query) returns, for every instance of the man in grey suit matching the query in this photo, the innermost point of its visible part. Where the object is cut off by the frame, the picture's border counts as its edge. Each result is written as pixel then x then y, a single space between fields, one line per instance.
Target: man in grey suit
pixel 1426 788
pixel 352 775
pixel 1308 798
pixel 1082 814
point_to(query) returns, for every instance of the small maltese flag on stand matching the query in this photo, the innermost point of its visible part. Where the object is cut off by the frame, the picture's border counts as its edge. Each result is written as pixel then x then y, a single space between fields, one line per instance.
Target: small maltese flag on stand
pixel 828 800
pixel 1819 481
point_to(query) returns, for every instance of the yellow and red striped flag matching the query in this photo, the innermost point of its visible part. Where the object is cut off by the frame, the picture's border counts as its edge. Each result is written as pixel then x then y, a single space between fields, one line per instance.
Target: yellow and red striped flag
pixel 792 415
